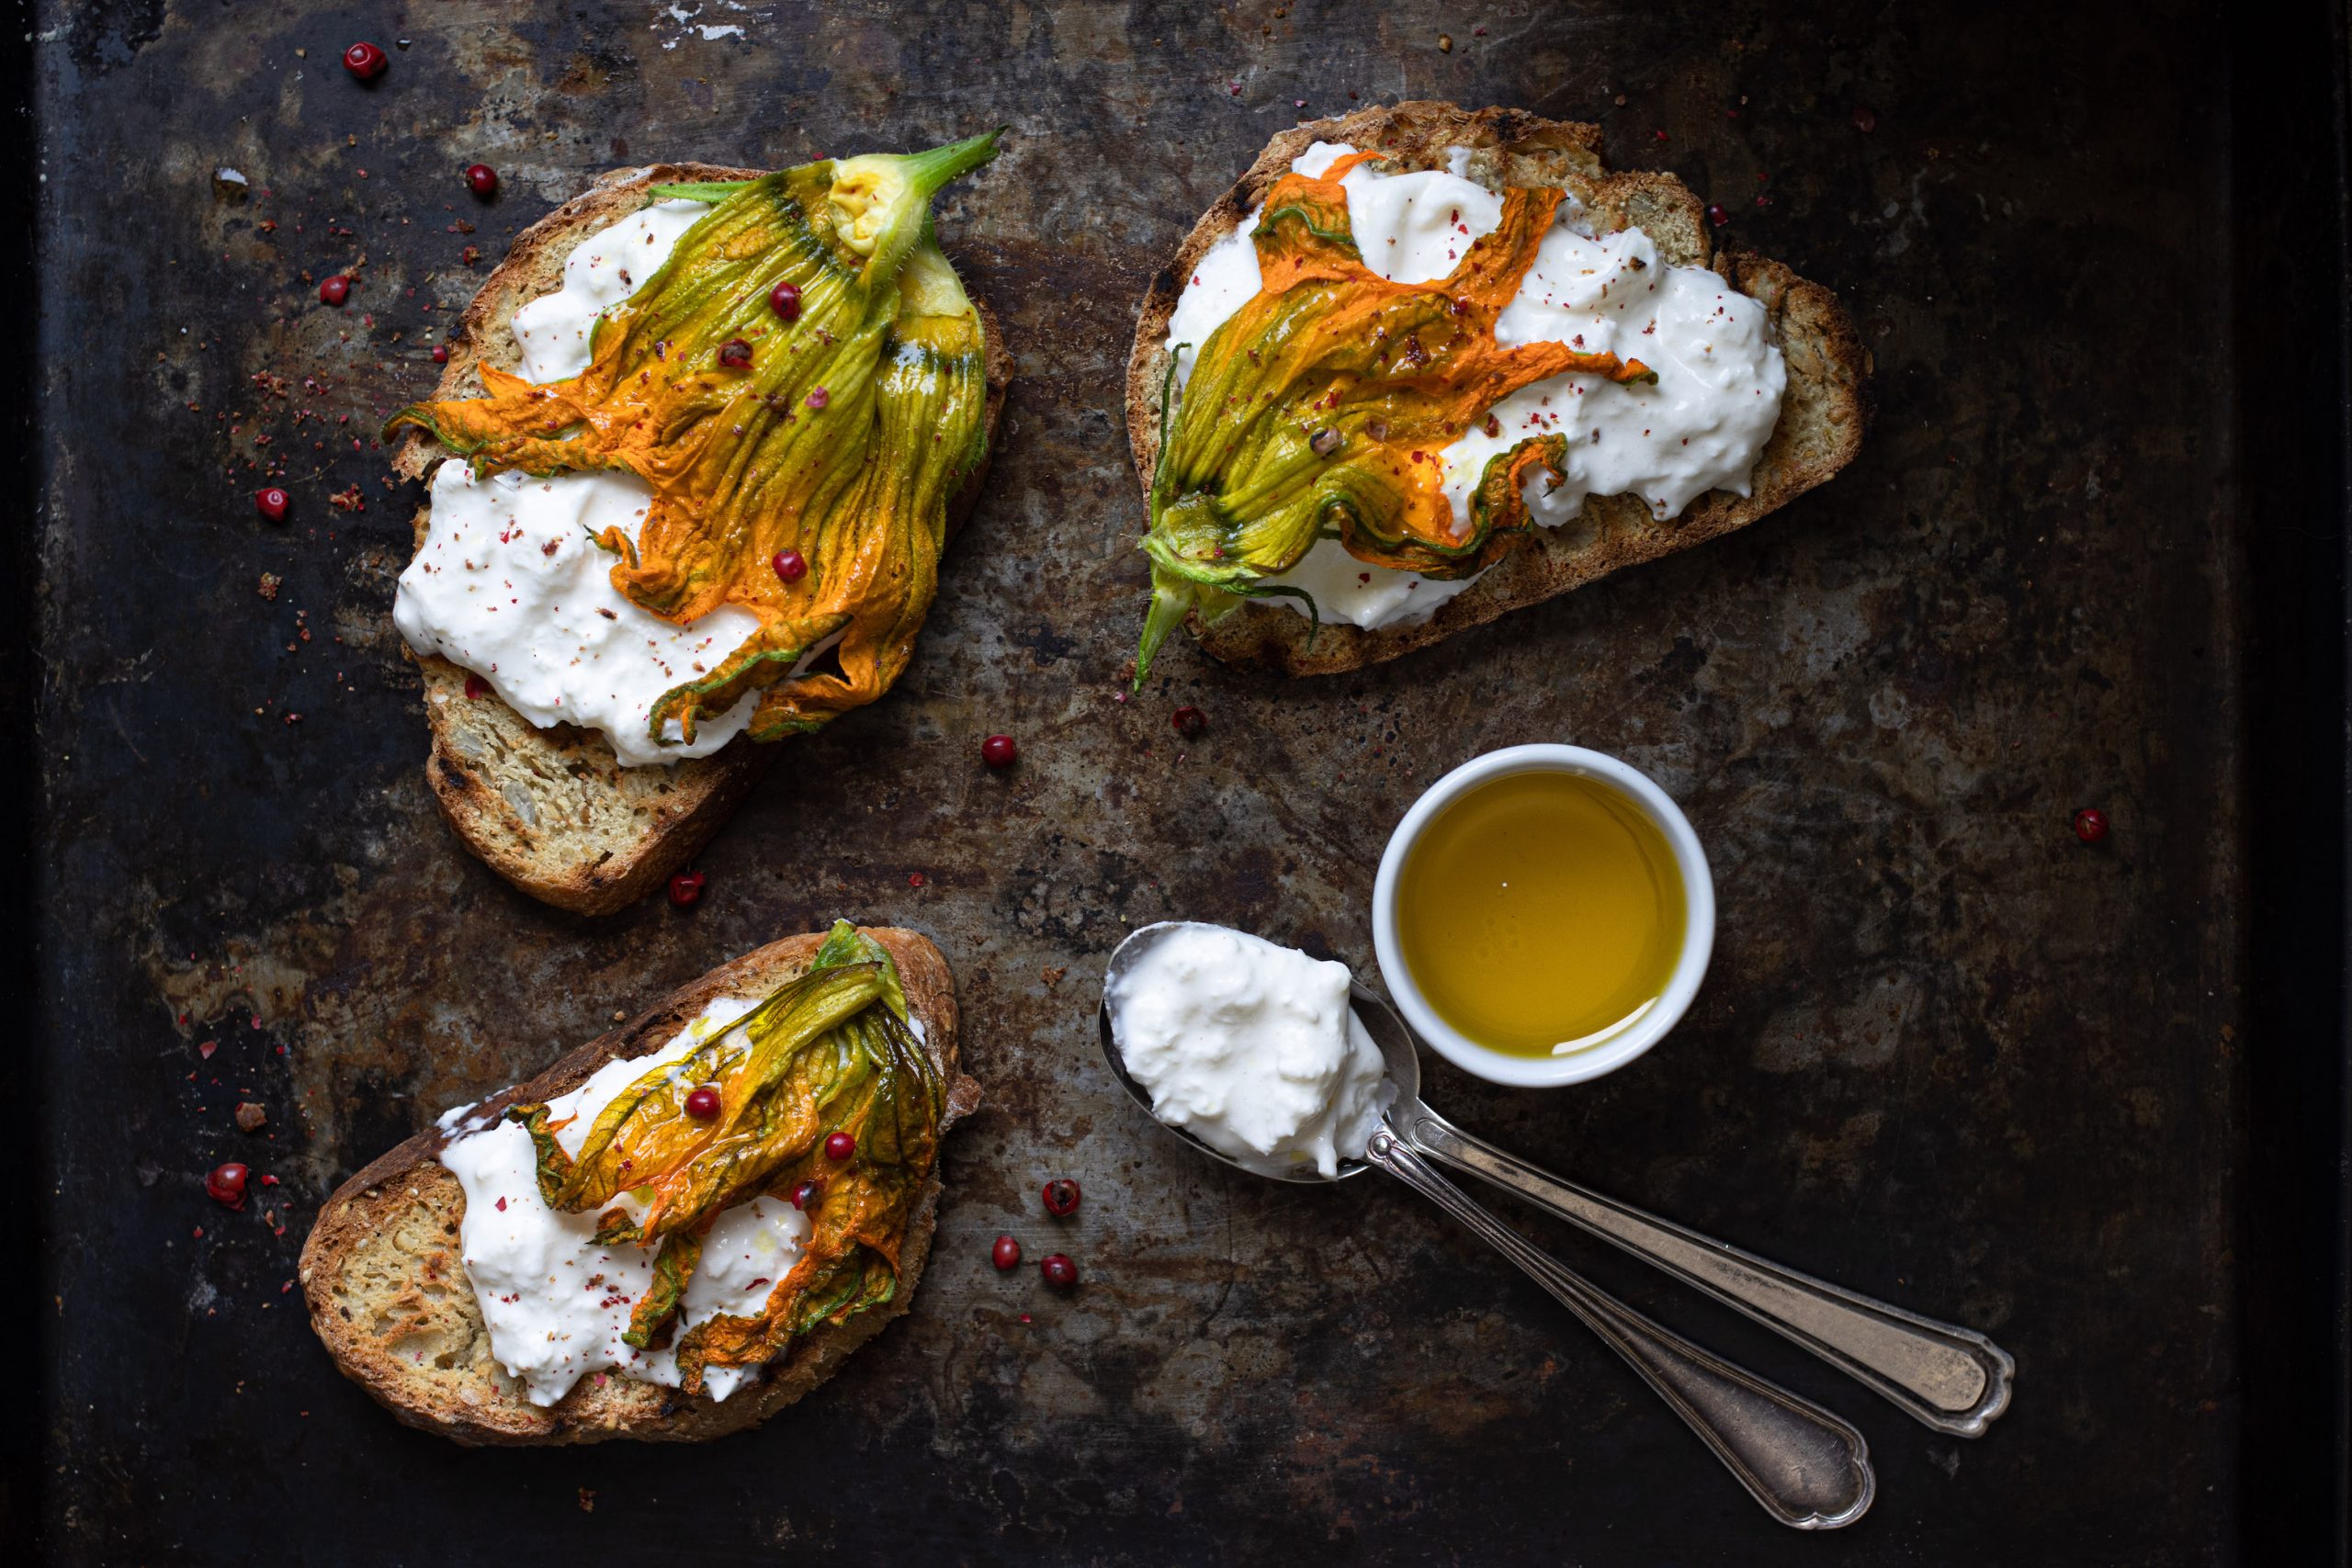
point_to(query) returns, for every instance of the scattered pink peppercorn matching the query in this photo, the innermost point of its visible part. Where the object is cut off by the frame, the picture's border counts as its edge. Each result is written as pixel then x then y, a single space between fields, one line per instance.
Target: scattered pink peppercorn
pixel 481 179
pixel 2090 824
pixel 735 353
pixel 476 687
pixel 685 887
pixel 1865 118
pixel 790 565
pixel 440 354
pixel 784 300
pixel 271 504
pixel 1005 1254
pixel 365 61
pixel 1188 721
pixel 227 1184
pixel 703 1103
pixel 840 1145
pixel 1000 752
pixel 1716 215
pixel 819 398
pixel 805 1196
pixel 1058 1270
pixel 1061 1198
pixel 336 289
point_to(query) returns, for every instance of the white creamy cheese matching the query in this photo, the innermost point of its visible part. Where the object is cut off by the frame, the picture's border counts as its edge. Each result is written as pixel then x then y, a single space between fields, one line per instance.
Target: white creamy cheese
pixel 1701 427
pixel 1224 279
pixel 1250 1047
pixel 610 265
pixel 509 582
pixel 556 1303
pixel 1361 594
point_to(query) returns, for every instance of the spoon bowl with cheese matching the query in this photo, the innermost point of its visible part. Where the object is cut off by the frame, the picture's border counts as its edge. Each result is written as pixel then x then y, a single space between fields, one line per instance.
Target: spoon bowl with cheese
pixel 1257 1054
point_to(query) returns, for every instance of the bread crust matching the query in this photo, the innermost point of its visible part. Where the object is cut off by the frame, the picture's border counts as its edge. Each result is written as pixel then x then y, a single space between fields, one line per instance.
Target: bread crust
pixel 1823 414
pixel 552 810
pixel 415 1340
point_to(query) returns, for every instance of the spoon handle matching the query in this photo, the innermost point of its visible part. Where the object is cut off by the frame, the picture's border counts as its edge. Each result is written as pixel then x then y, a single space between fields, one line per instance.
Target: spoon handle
pixel 1952 1379
pixel 1810 1470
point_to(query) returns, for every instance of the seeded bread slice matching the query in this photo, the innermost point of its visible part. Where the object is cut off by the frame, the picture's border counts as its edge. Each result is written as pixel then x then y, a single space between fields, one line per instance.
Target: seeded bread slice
pixel 1822 414
pixel 387 1290
pixel 552 810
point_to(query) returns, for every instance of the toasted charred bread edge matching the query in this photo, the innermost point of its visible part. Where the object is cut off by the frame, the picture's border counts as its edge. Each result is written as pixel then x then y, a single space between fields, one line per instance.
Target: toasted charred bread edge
pixel 1280 639
pixel 378 1192
pixel 712 786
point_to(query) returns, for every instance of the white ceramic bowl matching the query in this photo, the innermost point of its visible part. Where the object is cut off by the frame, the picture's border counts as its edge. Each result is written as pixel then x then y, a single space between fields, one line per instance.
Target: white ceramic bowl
pixel 1698 934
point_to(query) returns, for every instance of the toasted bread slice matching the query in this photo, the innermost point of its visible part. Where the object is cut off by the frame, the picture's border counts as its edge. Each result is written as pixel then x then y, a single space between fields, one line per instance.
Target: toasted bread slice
pixel 1823 412
pixel 387 1293
pixel 552 810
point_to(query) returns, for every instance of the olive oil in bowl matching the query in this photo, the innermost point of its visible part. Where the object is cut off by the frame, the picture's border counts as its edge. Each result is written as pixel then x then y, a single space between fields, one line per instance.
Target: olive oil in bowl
pixel 1541 913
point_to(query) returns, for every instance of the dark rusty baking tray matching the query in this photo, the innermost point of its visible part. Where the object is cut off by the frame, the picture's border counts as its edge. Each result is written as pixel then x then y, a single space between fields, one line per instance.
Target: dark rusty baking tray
pixel 2089 1100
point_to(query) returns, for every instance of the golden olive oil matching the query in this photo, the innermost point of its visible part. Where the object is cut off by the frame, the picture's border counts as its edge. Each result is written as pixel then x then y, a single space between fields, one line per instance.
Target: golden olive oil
pixel 1541 913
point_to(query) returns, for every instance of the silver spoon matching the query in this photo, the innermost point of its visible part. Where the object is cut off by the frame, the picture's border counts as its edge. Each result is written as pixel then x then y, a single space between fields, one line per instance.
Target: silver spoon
pixel 1809 1469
